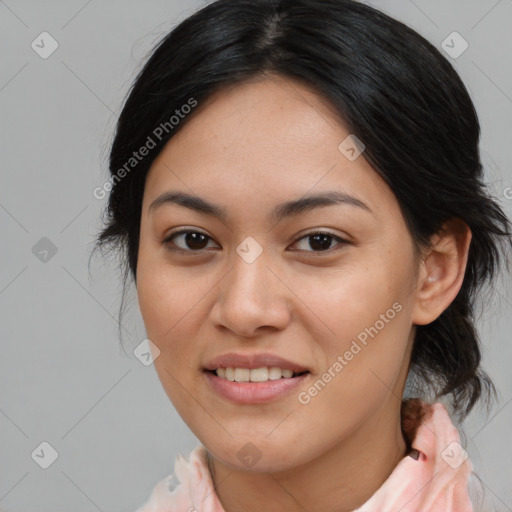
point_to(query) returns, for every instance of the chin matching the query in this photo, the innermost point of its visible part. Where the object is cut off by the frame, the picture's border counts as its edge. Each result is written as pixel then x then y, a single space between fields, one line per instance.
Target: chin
pixel 259 456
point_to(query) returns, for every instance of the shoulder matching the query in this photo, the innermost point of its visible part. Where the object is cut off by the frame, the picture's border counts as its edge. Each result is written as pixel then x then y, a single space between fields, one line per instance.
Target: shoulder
pixel 173 493
pixel 189 488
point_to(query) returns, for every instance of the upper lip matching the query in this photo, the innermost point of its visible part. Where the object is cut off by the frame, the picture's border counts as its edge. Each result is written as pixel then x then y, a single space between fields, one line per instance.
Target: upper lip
pixel 260 360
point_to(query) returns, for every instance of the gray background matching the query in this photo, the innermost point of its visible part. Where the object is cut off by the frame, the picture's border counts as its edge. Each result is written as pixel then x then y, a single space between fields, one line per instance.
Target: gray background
pixel 64 378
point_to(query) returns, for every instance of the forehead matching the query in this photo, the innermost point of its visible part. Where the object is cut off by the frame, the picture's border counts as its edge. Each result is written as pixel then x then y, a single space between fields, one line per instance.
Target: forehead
pixel 273 139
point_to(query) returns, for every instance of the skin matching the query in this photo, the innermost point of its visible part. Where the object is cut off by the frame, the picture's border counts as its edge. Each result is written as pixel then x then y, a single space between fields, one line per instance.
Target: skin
pixel 248 148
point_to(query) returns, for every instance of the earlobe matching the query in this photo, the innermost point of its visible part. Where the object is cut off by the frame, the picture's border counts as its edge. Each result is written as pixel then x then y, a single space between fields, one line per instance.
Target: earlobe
pixel 442 271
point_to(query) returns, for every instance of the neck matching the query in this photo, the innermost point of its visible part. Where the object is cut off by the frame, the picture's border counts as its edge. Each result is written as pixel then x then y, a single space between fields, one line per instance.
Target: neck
pixel 339 480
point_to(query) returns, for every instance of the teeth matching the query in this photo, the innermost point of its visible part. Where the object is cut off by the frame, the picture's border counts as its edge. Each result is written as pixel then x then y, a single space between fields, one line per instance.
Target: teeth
pixel 242 374
pixel 275 373
pixel 253 375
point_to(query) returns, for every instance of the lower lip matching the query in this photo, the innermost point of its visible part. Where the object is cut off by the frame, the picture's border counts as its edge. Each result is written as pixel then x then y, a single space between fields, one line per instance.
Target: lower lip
pixel 254 392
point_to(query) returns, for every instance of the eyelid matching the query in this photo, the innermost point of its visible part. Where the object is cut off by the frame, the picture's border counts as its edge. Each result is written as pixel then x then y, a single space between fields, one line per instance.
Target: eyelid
pixel 167 241
pixel 318 231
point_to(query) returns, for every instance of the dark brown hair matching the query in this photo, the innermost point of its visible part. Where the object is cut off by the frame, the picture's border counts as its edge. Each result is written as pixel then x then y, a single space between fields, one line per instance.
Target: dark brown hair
pixel 395 91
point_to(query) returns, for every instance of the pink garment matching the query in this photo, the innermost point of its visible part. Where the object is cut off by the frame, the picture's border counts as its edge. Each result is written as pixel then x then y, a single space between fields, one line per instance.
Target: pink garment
pixel 436 482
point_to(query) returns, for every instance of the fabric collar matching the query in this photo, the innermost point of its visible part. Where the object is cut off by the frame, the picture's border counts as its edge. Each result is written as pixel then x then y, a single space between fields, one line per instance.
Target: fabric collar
pixel 437 481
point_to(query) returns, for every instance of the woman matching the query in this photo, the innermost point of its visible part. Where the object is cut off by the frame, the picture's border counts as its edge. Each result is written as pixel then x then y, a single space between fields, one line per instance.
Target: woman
pixel 297 193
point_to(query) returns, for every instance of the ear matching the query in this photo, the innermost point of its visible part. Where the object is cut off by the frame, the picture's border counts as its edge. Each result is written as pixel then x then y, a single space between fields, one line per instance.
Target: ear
pixel 441 271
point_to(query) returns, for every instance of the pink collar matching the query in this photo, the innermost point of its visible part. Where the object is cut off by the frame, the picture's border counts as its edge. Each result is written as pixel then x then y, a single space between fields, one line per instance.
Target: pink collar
pixel 436 482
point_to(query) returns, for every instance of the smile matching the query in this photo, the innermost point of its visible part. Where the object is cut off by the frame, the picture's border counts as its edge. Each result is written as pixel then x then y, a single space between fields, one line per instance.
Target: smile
pixel 269 388
pixel 262 374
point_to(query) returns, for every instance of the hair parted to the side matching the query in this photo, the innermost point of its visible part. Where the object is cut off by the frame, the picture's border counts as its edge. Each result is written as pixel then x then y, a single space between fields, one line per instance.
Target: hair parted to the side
pixel 394 90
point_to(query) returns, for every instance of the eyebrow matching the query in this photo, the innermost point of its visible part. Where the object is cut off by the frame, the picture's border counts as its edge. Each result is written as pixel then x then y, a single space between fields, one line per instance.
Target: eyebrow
pixel 280 212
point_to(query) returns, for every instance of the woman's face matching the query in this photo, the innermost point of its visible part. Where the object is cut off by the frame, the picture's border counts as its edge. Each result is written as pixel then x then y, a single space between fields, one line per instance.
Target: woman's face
pixel 257 282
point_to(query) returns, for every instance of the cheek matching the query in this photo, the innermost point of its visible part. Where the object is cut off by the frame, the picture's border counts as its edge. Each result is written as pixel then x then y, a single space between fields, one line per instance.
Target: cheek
pixel 172 308
pixel 152 303
pixel 168 314
pixel 353 299
pixel 363 361
pixel 367 308
pixel 160 287
pixel 163 301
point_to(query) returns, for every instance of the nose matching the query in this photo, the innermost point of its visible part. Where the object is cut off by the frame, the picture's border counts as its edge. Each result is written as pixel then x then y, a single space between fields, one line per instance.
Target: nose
pixel 252 298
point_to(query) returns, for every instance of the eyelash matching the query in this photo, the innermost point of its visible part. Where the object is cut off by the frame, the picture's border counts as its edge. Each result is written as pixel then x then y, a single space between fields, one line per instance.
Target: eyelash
pixel 172 247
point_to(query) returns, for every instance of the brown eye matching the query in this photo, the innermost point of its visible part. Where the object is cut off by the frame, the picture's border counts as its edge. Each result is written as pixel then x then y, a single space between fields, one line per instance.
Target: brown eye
pixel 320 241
pixel 191 241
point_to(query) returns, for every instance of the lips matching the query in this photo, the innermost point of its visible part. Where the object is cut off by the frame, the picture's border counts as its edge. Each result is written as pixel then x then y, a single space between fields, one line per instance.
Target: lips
pixel 258 360
pixel 254 393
